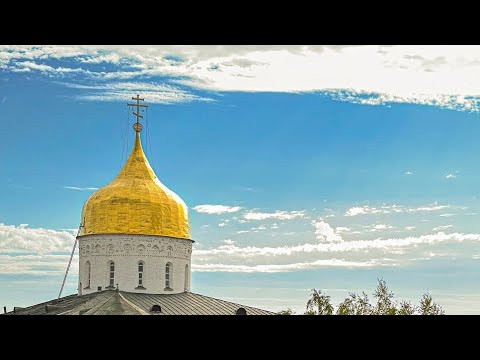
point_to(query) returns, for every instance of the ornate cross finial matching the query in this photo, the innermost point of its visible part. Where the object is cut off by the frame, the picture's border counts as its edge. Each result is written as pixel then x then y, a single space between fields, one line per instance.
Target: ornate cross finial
pixel 137 126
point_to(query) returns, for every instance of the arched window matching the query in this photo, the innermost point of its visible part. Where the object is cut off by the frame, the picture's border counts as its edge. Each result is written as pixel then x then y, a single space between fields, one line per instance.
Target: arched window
pixel 186 277
pixel 168 275
pixel 88 269
pixel 111 267
pixel 141 277
pixel 169 251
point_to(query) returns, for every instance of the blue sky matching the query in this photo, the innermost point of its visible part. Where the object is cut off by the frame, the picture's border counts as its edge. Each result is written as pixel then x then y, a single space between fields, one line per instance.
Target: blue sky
pixel 302 167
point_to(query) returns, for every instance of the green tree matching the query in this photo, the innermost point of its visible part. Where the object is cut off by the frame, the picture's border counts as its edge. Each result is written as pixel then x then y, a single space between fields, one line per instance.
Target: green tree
pixel 319 304
pixel 428 307
pixel 406 308
pixel 286 312
pixel 385 303
pixel 355 305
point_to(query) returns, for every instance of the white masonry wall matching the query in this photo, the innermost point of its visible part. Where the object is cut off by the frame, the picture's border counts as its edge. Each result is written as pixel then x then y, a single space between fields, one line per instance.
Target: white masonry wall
pixel 126 251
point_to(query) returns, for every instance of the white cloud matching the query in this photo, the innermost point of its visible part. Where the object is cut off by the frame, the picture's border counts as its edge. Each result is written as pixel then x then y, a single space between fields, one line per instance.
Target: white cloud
pixel 447 215
pixel 120 91
pixel 80 188
pixel 451 176
pixel 354 211
pixel 281 215
pixel 38 264
pixel 408 228
pixel 325 232
pixel 438 75
pixel 222 224
pixel 338 247
pixel 270 268
pixel 442 227
pixel 408 173
pixel 340 229
pixel 377 252
pixel 243 231
pixel 388 209
pixel 261 227
pixel 216 209
pixel 15 239
pixel 378 227
pixel 229 242
pixel 35 251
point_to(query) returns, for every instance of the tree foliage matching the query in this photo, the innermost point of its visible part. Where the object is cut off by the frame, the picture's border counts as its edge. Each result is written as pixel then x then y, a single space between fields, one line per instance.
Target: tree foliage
pixel 385 303
pixel 406 308
pixel 286 312
pixel 428 307
pixel 355 305
pixel 320 304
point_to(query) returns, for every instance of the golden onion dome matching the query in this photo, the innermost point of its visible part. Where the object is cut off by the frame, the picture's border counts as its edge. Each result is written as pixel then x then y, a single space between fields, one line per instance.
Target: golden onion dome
pixel 136 202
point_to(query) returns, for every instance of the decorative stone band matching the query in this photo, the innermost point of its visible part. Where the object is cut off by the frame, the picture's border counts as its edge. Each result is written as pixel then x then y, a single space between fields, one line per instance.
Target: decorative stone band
pixel 134 245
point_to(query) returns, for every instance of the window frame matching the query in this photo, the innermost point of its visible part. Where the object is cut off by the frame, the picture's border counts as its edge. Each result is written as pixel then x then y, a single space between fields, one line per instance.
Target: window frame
pixel 88 272
pixel 168 275
pixel 141 275
pixel 111 280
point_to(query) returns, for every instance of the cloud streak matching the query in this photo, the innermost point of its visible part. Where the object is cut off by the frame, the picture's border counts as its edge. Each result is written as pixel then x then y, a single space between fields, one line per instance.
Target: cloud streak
pixel 388 209
pixel 80 188
pixel 279 214
pixel 216 209
pixel 370 75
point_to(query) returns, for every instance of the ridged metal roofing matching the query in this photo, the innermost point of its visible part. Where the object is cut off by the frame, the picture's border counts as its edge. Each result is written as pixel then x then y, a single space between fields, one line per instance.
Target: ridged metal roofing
pixel 111 302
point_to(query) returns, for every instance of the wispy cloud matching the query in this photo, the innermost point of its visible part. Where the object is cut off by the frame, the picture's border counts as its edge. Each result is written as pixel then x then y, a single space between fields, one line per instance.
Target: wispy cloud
pixel 447 215
pixel 388 209
pixel 261 227
pixel 216 209
pixel 336 247
pixel 370 75
pixel 119 91
pixel 442 227
pixel 379 227
pixel 376 252
pixel 273 268
pixel 80 188
pixel 408 173
pixel 37 264
pixel 279 214
pixel 451 176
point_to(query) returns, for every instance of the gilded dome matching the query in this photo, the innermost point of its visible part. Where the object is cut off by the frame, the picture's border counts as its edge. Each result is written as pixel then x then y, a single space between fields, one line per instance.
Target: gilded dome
pixel 135 202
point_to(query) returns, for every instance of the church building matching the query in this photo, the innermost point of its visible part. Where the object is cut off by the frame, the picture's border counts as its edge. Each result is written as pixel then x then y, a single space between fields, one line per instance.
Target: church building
pixel 135 250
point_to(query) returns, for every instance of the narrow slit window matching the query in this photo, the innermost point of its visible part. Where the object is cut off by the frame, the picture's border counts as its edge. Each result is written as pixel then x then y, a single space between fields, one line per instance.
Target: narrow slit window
pixel 112 274
pixel 168 275
pixel 88 269
pixel 141 278
pixel 186 278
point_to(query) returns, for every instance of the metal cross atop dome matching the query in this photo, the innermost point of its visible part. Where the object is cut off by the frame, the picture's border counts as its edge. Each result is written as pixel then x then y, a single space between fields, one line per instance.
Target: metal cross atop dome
pixel 137 126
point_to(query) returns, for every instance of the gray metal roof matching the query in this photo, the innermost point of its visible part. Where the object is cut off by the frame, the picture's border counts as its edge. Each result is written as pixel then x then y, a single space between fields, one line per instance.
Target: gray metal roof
pixel 111 302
